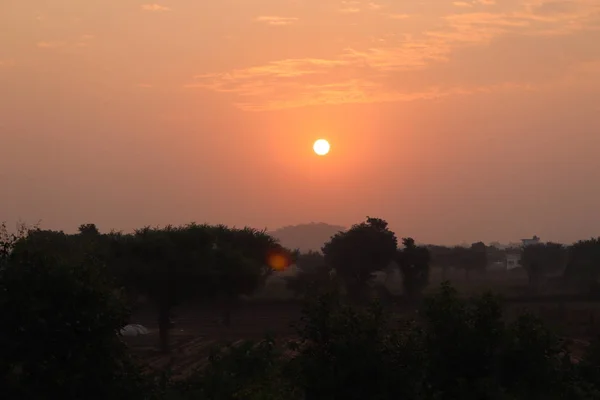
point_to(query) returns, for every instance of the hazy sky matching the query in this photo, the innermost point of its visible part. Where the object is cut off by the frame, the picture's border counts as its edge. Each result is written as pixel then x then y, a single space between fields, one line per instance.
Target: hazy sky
pixel 455 121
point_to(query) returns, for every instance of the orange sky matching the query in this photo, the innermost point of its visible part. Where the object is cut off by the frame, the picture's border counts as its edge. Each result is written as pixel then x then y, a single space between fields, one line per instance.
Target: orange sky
pixel 455 121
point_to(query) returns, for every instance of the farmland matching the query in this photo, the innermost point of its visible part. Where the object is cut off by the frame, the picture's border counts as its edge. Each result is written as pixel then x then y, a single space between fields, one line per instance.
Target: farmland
pixel 198 330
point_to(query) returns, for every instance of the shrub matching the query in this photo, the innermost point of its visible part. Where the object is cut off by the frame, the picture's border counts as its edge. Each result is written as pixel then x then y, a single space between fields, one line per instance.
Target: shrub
pixel 58 337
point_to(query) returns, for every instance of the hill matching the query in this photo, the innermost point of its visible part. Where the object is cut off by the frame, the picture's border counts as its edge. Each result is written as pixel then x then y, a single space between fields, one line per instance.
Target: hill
pixel 306 237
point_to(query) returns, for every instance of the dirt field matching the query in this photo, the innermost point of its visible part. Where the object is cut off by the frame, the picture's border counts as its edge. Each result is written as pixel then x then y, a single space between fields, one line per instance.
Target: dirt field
pixel 198 330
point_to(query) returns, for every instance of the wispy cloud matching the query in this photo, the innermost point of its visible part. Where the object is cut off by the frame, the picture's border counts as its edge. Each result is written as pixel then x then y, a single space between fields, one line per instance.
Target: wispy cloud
pixel 355 91
pixel 7 63
pixel 81 41
pixel 398 16
pixel 349 7
pixel 359 75
pixel 155 7
pixel 350 10
pixel 275 20
pixel 463 4
pixel 51 44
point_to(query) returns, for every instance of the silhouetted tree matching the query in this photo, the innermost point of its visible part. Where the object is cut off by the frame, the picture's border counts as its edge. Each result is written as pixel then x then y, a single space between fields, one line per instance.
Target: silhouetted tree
pixel 234 275
pixel 312 274
pixel 358 253
pixel 414 262
pixel 88 229
pixel 8 240
pixel 583 268
pixel 59 332
pixel 443 257
pixel 244 259
pixel 541 259
pixel 475 259
pixel 168 265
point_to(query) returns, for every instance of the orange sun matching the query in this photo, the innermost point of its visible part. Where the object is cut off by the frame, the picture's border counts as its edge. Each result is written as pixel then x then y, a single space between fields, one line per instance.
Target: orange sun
pixel 321 147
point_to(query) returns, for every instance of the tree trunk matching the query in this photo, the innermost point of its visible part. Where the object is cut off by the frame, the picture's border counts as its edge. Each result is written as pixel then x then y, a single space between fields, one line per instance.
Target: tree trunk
pixel 228 305
pixel 164 325
pixel 227 316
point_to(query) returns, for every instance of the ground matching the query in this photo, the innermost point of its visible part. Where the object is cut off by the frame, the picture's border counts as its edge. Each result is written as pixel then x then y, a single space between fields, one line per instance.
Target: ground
pixel 198 329
pixel 271 310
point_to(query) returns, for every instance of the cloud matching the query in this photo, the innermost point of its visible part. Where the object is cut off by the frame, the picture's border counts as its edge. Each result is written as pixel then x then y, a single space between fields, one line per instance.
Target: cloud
pixel 350 7
pixel 154 7
pixel 357 91
pixel 462 4
pixel 360 75
pixel 398 16
pixel 350 10
pixel 51 44
pixel 278 21
pixel 81 41
pixel 544 18
pixel 8 63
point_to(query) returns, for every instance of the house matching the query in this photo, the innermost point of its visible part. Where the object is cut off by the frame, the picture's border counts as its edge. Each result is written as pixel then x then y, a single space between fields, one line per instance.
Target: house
pixel 529 242
pixel 513 254
pixel 513 259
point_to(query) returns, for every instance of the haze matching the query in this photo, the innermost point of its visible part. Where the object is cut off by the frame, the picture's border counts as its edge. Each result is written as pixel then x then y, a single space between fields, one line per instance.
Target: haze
pixel 455 121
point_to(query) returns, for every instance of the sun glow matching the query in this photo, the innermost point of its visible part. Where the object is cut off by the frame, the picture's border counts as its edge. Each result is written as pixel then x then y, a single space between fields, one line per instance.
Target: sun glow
pixel 321 147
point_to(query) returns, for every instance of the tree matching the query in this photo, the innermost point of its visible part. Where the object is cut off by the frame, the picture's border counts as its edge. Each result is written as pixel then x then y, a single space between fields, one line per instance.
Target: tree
pixel 358 253
pixel 169 266
pixel 442 257
pixel 244 259
pixel 541 259
pixel 414 265
pixel 59 332
pixel 583 268
pixel 88 229
pixel 312 274
pixel 8 240
pixel 475 259
pixel 234 276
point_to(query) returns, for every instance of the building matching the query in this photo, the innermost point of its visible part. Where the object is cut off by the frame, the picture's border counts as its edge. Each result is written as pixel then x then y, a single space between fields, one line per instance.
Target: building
pixel 529 242
pixel 513 260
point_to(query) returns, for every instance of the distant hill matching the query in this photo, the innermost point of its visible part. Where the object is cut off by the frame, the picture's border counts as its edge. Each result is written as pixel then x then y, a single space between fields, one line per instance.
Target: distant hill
pixel 306 236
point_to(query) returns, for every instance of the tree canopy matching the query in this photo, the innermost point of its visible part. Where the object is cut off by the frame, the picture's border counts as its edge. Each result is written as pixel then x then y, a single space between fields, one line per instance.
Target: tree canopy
pixel 359 252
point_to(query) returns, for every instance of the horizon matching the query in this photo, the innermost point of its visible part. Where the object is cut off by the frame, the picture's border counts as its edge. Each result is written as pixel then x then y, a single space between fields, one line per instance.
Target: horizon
pixel 273 232
pixel 456 121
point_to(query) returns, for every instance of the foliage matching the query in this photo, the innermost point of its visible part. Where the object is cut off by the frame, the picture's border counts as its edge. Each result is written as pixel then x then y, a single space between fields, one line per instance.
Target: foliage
pixel 583 268
pixel 312 274
pixel 8 240
pixel 457 349
pixel 58 337
pixel 62 313
pixel 541 259
pixel 414 264
pixel 358 253
pixel 247 370
pixel 470 259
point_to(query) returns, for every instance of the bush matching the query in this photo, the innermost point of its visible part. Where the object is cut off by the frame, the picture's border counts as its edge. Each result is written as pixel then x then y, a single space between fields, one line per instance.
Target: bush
pixel 457 349
pixel 248 370
pixel 58 337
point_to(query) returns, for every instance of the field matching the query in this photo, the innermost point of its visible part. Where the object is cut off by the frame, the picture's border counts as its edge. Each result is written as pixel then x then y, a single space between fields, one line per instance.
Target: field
pixel 198 329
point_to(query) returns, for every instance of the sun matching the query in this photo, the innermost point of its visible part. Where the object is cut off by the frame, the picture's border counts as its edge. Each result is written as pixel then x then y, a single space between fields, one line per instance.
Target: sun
pixel 321 147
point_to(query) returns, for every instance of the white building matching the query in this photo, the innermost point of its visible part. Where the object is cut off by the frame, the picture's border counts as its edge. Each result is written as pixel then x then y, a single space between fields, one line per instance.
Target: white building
pixel 529 242
pixel 513 260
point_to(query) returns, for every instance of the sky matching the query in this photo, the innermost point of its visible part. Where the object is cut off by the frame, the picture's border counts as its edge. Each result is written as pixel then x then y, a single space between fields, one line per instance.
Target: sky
pixel 456 121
